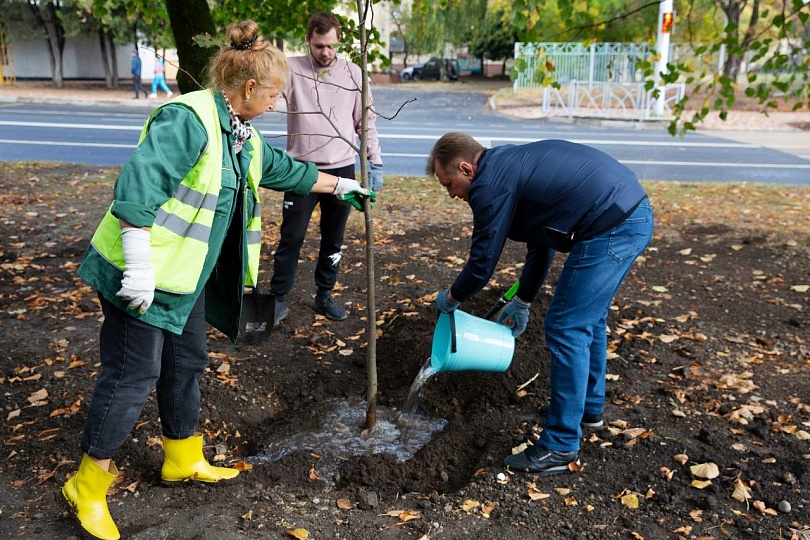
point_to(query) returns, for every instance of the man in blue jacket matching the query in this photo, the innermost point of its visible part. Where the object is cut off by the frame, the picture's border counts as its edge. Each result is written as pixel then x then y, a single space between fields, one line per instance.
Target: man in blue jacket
pixel 553 196
pixel 136 75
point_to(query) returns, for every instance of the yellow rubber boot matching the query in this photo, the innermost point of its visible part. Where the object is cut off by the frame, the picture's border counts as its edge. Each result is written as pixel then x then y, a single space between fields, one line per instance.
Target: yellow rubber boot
pixel 184 460
pixel 87 495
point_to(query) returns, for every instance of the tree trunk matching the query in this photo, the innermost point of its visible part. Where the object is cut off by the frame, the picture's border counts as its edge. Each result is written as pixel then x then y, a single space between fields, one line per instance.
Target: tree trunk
pixel 113 60
pixel 105 57
pixel 363 8
pixel 189 18
pixel 733 9
pixel 47 15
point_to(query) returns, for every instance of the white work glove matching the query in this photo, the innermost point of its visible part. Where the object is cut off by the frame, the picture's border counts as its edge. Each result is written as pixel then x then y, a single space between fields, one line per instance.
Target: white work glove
pixel 138 285
pixel 352 192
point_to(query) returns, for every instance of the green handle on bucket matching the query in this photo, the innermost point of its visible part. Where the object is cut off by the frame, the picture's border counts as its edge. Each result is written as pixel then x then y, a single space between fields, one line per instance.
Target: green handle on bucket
pixel 502 301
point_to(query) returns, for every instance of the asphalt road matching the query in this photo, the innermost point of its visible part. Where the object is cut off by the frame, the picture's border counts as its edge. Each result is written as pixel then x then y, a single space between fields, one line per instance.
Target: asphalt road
pixel 407 130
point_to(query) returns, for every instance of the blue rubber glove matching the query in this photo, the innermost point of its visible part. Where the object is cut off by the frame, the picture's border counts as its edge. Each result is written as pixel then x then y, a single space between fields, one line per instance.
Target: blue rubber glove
pixel 444 303
pixel 518 311
pixel 375 176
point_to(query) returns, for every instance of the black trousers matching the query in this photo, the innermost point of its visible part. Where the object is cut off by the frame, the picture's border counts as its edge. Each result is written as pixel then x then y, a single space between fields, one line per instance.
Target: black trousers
pixel 296 215
pixel 136 82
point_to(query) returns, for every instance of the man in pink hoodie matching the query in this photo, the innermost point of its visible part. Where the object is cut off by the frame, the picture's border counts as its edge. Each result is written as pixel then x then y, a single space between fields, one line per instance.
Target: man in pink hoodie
pixel 324 109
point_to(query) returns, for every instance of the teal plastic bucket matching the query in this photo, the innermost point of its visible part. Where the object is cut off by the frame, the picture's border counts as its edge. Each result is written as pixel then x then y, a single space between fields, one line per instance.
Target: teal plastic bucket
pixel 463 342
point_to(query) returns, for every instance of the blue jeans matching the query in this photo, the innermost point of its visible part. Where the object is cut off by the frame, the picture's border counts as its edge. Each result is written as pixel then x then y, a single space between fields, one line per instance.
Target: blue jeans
pixel 136 357
pixel 576 331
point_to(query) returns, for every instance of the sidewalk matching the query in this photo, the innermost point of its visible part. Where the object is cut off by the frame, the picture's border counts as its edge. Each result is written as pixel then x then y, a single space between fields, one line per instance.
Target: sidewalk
pixel 783 131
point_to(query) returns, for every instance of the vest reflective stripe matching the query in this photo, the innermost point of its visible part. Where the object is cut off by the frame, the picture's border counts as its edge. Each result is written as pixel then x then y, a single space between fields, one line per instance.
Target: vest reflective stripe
pixel 181 227
pixel 254 221
pixel 183 223
pixel 196 199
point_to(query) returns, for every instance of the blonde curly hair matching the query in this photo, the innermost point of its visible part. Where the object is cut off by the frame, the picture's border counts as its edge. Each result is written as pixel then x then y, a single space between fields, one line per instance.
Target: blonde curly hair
pixel 248 55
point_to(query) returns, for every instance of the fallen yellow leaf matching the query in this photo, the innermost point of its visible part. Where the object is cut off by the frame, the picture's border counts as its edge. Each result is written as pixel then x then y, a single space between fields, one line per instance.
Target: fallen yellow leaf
pixel 705 470
pixel 300 534
pixel 741 491
pixel 630 500
pixel 404 516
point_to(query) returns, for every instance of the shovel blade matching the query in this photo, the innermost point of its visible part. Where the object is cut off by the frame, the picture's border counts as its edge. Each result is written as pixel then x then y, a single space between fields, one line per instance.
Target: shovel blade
pixel 258 314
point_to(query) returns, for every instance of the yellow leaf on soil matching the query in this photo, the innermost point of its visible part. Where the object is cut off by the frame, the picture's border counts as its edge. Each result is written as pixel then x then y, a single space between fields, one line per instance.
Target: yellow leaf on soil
pixel 345 504
pixel 705 470
pixel 741 491
pixel 300 534
pixel 537 495
pixel 469 505
pixel 486 509
pixel 39 395
pixel 404 515
pixel 630 500
pixel 701 484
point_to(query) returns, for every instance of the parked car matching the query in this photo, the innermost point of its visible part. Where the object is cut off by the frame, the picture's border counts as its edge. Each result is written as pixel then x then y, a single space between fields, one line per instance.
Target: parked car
pixel 407 73
pixel 430 70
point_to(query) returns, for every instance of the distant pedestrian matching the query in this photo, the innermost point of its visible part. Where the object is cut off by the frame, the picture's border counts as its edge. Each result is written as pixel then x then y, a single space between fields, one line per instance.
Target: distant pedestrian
pixel 136 75
pixel 159 79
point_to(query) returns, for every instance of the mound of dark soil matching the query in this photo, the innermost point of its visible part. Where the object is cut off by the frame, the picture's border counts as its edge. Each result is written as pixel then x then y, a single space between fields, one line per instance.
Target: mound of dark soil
pixel 709 370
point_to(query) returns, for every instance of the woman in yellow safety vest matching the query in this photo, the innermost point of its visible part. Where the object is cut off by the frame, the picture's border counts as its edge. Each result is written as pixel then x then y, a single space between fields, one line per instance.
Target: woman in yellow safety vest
pixel 174 251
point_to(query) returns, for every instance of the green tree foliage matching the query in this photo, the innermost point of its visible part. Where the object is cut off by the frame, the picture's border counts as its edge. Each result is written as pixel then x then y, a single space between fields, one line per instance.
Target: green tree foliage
pixel 432 24
pixel 280 20
pixel 774 33
pixel 51 20
pixel 492 39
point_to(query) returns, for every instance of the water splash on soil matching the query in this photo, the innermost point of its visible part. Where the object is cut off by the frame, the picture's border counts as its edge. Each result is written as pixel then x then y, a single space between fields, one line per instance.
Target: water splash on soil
pixel 341 437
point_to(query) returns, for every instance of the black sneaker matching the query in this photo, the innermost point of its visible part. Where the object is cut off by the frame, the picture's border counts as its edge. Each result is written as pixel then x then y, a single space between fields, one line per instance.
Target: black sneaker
pixel 281 312
pixel 593 421
pixel 539 460
pixel 327 306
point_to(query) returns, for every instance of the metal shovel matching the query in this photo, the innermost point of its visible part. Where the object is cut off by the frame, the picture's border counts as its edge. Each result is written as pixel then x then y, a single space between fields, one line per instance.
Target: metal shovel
pixel 258 315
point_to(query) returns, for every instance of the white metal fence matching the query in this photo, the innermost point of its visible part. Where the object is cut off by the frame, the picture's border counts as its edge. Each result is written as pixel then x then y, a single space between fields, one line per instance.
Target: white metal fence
pixel 603 79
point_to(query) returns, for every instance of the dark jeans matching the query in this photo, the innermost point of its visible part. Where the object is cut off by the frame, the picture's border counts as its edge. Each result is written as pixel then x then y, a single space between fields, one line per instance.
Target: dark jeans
pixel 136 357
pixel 136 82
pixel 295 220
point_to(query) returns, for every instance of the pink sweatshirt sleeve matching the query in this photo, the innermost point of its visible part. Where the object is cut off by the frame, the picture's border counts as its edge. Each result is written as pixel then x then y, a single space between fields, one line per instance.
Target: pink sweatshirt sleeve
pixel 322 106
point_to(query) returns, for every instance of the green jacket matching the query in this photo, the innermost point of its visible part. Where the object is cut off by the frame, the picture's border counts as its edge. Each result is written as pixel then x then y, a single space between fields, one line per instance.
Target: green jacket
pixel 173 148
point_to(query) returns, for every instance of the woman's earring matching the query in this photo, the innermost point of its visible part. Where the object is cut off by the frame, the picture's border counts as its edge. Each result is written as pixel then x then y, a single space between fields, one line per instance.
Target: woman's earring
pixel 247 98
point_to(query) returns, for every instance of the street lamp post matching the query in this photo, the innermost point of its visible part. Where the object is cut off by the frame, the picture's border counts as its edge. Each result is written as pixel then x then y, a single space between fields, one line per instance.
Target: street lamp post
pixel 666 19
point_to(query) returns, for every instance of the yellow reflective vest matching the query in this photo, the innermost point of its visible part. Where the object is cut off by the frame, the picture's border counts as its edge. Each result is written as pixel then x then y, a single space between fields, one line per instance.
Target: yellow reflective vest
pixel 182 224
